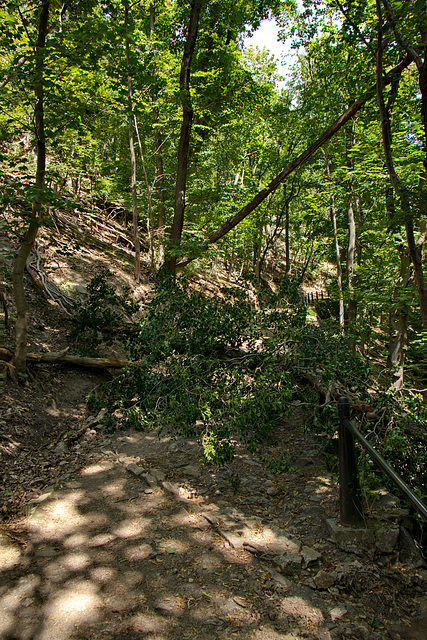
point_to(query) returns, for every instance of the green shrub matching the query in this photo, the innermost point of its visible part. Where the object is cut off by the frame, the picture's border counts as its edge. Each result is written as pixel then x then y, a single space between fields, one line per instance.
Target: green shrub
pixel 181 380
pixel 101 315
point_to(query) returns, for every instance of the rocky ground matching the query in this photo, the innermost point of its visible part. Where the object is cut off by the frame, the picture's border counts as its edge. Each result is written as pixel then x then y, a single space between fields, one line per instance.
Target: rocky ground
pixel 127 535
pixel 136 538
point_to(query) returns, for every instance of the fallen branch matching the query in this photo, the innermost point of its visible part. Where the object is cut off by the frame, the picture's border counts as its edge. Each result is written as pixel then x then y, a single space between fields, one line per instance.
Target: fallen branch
pixel 333 392
pixel 39 277
pixel 4 304
pixel 88 239
pixel 62 356
pixel 5 354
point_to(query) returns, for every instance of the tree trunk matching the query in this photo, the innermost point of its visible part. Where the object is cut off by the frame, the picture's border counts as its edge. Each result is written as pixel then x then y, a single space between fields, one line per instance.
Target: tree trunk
pixel 22 311
pixel 287 245
pixel 400 190
pixel 352 304
pixel 184 141
pixel 306 155
pixel 62 356
pixel 333 215
pixel 398 321
pixel 160 176
pixel 338 261
pixel 132 157
pixel 416 258
pixel 149 201
pixel 159 180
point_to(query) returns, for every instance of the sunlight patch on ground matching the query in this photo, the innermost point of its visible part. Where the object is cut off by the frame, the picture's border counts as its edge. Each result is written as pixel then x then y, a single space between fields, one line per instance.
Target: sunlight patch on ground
pixel 101 539
pixel 60 517
pixel 76 540
pixel 10 554
pixel 209 562
pixel 173 605
pixel 266 633
pixel 138 552
pixel 75 605
pixel 6 623
pixel 103 575
pixel 149 624
pixel 115 489
pixel 131 529
pixel 12 601
pixel 172 546
pixel 299 608
pixel 76 561
pixel 93 469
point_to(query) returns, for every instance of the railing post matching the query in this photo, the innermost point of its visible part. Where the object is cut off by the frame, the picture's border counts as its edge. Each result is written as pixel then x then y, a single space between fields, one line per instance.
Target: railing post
pixel 351 511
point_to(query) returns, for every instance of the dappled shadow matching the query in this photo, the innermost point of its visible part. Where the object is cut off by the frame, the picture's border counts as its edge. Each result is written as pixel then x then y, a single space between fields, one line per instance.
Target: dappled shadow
pixel 111 557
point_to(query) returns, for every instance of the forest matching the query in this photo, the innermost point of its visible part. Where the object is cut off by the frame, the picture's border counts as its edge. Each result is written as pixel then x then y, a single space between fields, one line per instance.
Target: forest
pixel 153 123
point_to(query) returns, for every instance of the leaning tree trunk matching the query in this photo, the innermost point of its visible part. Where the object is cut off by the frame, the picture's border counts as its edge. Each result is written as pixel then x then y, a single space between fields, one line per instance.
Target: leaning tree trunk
pixel 22 311
pixel 299 161
pixel 184 141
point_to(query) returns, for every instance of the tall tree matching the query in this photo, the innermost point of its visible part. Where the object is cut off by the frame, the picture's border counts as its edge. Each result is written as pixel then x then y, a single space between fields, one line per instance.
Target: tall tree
pixel 401 191
pixel 132 153
pixel 184 141
pixel 358 104
pixel 333 216
pixel 22 310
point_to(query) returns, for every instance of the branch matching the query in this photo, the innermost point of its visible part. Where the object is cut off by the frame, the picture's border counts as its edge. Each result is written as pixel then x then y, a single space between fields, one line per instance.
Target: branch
pixel 25 27
pixel 306 155
pixel 355 27
pixel 62 357
pixel 391 18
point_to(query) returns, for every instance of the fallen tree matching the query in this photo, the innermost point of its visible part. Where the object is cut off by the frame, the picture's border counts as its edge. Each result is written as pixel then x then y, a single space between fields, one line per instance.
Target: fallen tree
pixel 62 357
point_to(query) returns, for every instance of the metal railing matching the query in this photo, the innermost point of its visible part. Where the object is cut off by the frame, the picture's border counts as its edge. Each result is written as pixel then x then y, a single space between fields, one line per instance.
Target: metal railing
pixel 351 510
pixel 310 297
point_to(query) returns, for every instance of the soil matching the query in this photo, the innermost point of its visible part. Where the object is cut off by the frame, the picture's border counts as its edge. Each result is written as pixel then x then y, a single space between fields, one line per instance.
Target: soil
pixel 128 535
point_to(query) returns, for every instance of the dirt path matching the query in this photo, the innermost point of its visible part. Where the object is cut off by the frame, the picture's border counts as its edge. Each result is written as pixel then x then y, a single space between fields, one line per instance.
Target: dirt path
pixel 132 537
pixel 144 541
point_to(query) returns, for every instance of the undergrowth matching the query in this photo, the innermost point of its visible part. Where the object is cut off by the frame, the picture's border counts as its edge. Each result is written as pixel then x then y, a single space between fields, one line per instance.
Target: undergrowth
pixel 219 368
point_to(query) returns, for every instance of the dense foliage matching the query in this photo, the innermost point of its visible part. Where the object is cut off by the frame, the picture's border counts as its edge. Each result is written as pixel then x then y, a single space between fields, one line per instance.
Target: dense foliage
pixel 94 114
pixel 221 369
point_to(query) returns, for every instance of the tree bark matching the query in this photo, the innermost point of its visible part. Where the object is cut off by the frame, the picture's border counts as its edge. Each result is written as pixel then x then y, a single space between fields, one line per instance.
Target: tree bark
pixel 149 201
pixel 132 156
pixel 61 356
pixel 398 321
pixel 306 155
pixel 287 245
pixel 22 311
pixel 351 246
pixel 184 141
pixel 159 180
pixel 352 304
pixel 400 190
pixel 333 215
